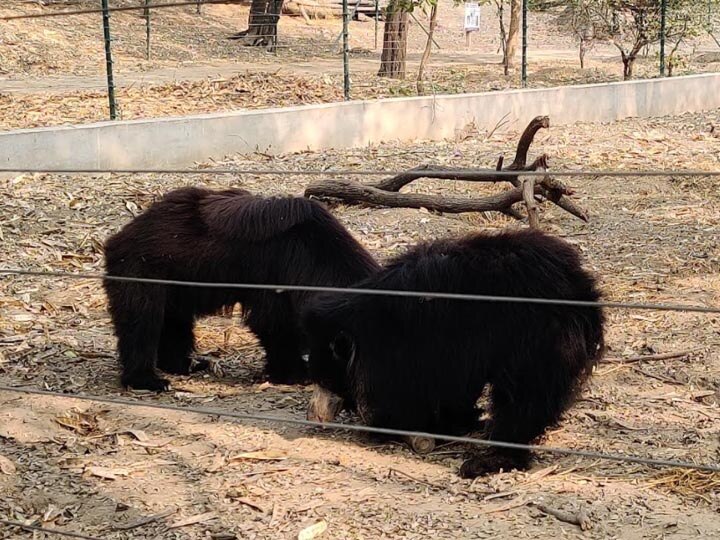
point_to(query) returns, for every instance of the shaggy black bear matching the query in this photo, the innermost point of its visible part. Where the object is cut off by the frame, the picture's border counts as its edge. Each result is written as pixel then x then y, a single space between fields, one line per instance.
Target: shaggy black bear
pixel 230 236
pixel 422 364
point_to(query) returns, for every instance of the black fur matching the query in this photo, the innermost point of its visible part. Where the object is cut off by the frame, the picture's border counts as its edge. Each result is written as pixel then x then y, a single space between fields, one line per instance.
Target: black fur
pixel 419 364
pixel 231 236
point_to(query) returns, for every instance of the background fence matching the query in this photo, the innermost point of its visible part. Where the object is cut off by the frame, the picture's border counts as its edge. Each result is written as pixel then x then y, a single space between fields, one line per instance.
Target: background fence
pixel 155 60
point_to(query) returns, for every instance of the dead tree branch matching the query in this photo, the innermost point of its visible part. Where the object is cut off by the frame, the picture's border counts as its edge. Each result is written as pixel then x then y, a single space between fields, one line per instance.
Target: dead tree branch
pixel 528 190
pixel 352 192
pixel 387 191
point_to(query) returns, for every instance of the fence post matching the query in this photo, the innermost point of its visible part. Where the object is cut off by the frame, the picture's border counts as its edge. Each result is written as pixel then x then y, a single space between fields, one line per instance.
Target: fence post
pixel 199 3
pixel 663 21
pixel 147 30
pixel 377 16
pixel 346 51
pixel 109 61
pixel 524 43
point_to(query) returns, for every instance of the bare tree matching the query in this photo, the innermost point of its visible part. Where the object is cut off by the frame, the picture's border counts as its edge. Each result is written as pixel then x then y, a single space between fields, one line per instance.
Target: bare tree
pixel 508 34
pixel 428 48
pixel 633 26
pixel 578 18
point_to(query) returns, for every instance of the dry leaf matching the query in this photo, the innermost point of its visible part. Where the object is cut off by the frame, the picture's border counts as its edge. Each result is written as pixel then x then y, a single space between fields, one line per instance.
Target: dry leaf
pixel 515 503
pixel 52 513
pixel 80 422
pixel 261 455
pixel 106 472
pixel 132 208
pixel 192 520
pixel 138 434
pixel 313 531
pixel 251 504
pixel 157 443
pixel 218 462
pixel 6 465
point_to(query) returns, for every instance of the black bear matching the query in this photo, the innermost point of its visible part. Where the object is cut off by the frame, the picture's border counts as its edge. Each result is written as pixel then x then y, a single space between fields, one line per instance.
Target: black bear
pixel 421 364
pixel 230 236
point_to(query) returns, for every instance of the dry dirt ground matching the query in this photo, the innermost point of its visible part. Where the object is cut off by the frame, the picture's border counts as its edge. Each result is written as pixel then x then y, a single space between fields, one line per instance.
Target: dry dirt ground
pixel 98 468
pixel 51 70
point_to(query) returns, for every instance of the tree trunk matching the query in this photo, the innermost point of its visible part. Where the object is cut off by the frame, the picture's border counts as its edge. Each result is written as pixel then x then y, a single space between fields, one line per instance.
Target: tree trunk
pixel 583 51
pixel 262 24
pixel 628 61
pixel 428 48
pixel 513 32
pixel 392 61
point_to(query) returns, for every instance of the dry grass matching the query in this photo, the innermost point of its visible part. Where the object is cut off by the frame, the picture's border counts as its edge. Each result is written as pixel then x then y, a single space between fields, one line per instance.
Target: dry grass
pixel 94 468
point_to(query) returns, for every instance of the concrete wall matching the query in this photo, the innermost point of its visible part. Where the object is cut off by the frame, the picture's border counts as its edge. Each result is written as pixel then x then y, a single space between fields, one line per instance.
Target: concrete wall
pixel 181 141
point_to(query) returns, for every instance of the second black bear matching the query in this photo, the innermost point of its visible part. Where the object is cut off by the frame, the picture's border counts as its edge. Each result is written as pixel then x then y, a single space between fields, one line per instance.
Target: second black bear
pixel 422 364
pixel 231 236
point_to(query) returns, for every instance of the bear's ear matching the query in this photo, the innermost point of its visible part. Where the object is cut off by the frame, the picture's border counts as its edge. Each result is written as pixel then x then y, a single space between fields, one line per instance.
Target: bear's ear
pixel 343 348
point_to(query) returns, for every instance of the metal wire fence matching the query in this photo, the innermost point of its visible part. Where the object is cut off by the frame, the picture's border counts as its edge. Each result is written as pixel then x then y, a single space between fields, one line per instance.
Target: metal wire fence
pixel 424 295
pixel 356 44
pixel 253 417
pixel 334 426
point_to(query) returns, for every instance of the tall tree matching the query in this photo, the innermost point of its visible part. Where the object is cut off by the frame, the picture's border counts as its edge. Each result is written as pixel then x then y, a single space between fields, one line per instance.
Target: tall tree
pixel 262 24
pixel 512 35
pixel 394 51
pixel 509 34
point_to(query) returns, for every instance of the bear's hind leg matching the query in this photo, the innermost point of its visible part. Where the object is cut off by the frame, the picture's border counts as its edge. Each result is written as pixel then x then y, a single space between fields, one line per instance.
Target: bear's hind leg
pixel 137 316
pixel 274 322
pixel 177 343
pixel 523 406
pixel 283 358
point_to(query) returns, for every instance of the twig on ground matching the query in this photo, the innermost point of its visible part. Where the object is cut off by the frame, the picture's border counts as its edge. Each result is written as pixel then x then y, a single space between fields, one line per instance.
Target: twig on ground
pixel 580 518
pixel 651 357
pixel 146 520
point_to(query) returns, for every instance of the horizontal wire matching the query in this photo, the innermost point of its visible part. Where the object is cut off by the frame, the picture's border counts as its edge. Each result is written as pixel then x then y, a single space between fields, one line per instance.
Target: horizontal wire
pixel 113 9
pixel 46 530
pixel 341 172
pixel 368 429
pixel 371 292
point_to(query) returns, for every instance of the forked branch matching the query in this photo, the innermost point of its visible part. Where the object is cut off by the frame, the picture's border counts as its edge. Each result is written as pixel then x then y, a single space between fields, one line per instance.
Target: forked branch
pixel 531 190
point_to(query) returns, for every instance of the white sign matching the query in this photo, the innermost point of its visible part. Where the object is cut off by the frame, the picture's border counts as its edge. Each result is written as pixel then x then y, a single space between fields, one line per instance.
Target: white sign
pixel 472 17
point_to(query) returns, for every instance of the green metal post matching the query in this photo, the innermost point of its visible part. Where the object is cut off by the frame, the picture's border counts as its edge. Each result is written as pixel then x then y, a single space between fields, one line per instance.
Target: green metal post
pixel 346 51
pixel 147 29
pixel 524 43
pixel 377 16
pixel 109 61
pixel 663 21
